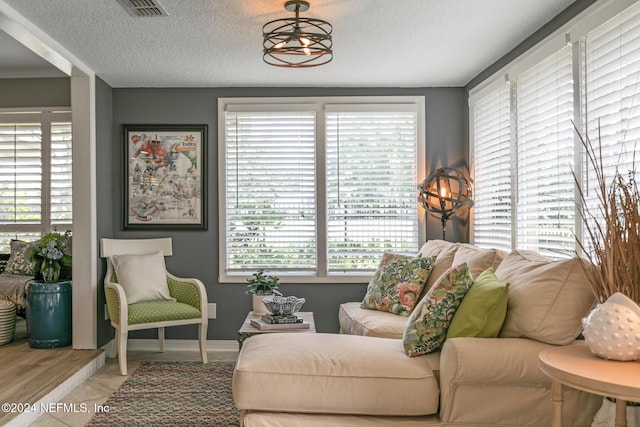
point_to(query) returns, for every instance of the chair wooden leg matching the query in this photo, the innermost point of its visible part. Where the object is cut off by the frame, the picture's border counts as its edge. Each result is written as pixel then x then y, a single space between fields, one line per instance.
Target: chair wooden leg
pixel 122 350
pixel 161 339
pixel 202 328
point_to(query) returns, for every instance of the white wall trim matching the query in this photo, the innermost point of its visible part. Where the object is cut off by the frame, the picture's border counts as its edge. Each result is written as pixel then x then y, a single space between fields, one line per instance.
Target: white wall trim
pixel 85 240
pixel 32 37
pixel 85 253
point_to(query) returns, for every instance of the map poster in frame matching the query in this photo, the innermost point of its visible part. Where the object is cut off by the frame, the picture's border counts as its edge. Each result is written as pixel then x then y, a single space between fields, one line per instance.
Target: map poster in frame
pixel 165 176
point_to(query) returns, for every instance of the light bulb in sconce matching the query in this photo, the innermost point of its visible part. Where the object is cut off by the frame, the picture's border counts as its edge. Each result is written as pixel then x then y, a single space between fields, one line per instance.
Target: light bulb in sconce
pixel 444 193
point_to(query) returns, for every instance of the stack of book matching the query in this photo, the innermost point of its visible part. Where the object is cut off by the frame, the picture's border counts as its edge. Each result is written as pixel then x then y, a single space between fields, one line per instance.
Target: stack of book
pixel 277 319
pixel 271 322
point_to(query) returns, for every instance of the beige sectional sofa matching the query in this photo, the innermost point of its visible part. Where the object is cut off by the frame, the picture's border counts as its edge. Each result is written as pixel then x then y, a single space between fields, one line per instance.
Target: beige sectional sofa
pixel 362 377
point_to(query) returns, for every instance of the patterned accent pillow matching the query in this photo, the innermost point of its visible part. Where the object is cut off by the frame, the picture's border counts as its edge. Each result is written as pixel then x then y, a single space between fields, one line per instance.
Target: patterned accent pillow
pixel 397 283
pixel 427 326
pixel 18 262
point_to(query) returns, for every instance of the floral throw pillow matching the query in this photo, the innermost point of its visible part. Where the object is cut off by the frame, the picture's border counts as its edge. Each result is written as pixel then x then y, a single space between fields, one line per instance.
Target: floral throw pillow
pixel 397 283
pixel 427 326
pixel 18 262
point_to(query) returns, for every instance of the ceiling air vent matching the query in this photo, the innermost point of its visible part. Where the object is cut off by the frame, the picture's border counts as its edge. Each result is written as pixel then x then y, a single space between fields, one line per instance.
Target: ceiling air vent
pixel 143 8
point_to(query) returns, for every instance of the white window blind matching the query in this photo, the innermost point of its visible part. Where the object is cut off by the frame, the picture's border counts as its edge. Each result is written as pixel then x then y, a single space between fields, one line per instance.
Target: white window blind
pixel 270 191
pixel 316 189
pixel 545 208
pixel 605 63
pixel 612 92
pixel 20 173
pixel 61 180
pixel 35 175
pixel 371 186
pixel 492 159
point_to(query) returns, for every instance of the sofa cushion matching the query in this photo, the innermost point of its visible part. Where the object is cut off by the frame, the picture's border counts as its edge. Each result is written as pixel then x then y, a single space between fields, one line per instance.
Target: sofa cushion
pixel 397 284
pixel 434 247
pixel 444 261
pixel 547 299
pixel 427 326
pixel 477 259
pixel 356 320
pixel 336 374
pixel 482 310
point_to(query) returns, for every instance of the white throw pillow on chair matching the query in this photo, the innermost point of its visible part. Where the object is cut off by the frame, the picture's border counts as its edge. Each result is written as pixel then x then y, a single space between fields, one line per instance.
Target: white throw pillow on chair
pixel 143 277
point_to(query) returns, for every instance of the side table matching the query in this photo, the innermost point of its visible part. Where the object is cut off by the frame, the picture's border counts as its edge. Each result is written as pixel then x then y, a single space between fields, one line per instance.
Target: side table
pixel 576 367
pixel 247 330
pixel 49 313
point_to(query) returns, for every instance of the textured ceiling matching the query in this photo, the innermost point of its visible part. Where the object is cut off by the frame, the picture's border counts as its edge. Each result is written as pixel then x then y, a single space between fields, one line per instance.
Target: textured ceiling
pixel 406 43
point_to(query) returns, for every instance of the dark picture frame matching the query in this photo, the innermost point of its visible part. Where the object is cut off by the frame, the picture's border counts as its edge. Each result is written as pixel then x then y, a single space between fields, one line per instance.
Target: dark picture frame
pixel 165 179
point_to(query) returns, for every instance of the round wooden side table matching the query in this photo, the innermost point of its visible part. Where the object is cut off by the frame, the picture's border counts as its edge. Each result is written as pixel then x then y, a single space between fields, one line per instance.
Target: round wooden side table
pixel 576 367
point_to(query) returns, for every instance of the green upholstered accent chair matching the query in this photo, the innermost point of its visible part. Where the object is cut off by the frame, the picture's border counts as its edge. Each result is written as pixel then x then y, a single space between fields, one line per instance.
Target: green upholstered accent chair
pixel 189 307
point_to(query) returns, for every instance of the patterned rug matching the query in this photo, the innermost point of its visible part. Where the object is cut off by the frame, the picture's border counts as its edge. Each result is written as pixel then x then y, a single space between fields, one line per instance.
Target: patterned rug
pixel 173 394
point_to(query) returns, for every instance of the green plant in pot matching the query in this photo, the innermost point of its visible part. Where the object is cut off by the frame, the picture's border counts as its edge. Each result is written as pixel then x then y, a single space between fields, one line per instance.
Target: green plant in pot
pixel 52 257
pixel 261 286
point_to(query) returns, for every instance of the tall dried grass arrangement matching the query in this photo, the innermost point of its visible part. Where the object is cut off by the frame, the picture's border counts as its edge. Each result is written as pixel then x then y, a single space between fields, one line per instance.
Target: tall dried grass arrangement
pixel 613 231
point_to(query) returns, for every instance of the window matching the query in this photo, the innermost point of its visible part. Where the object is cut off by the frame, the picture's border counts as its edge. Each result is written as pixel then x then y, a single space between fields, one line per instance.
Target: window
pixel 371 186
pixel 593 82
pixel 611 88
pixel 315 187
pixel 545 208
pixel 492 204
pixel 35 174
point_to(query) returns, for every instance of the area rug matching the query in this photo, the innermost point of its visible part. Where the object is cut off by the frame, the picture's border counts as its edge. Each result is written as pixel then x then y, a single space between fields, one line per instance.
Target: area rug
pixel 173 394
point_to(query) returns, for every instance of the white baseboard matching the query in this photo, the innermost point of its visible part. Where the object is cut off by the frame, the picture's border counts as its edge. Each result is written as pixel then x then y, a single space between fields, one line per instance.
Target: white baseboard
pixel 171 345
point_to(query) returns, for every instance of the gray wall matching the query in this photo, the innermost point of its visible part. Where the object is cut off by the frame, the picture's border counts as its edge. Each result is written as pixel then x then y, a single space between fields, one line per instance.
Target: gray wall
pixel 196 252
pixel 106 164
pixel 562 18
pixel 27 93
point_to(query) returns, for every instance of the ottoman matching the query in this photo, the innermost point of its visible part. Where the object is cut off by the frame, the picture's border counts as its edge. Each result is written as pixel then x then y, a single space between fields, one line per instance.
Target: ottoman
pixel 334 374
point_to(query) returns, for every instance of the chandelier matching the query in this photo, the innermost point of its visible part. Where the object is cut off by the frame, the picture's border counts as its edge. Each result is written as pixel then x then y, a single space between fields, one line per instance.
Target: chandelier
pixel 444 193
pixel 297 42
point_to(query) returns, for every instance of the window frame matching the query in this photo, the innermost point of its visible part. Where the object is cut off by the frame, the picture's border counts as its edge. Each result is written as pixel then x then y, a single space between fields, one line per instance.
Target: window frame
pixel 46 117
pixel 317 104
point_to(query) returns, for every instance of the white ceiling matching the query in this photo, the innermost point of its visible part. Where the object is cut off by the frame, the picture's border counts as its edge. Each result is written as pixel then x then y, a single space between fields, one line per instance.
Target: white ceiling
pixel 213 43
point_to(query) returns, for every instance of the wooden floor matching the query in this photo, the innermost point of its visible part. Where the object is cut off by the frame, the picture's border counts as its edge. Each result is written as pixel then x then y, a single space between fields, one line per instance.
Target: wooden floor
pixel 27 374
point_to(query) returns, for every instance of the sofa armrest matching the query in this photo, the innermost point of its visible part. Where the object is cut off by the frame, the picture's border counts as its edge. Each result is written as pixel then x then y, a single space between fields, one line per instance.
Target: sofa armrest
pixel 491 360
pixel 500 378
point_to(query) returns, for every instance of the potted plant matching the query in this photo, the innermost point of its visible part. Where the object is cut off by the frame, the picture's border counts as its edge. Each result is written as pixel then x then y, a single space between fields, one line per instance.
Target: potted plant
pixel 50 255
pixel 262 286
pixel 612 229
pixel 612 245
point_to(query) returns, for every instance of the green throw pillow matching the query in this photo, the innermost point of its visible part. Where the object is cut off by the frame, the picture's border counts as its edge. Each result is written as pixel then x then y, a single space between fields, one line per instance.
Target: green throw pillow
pixel 397 283
pixel 483 309
pixel 427 326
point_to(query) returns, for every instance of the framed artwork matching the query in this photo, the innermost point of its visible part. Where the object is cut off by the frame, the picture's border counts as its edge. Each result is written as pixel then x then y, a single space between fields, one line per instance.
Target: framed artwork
pixel 165 176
